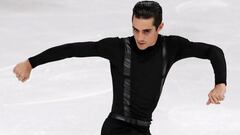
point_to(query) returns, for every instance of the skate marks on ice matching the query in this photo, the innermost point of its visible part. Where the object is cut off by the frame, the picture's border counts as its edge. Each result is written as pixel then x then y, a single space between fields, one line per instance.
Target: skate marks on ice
pixel 8 70
pixel 93 94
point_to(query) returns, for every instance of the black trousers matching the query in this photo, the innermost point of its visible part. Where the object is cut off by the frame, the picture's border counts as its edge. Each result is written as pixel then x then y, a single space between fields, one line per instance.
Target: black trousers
pixel 113 126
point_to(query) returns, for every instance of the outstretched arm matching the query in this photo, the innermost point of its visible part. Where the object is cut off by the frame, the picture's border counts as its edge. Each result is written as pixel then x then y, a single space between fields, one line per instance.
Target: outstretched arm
pixel 215 55
pixel 104 48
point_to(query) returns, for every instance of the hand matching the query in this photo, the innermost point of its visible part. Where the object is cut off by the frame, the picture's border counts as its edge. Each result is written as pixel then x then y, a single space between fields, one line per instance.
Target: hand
pixel 217 94
pixel 23 70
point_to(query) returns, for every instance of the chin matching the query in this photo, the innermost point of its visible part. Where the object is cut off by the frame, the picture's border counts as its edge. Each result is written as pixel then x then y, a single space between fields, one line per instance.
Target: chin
pixel 142 48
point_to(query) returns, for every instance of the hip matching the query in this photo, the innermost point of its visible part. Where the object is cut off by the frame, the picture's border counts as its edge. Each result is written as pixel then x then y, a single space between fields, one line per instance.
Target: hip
pixel 113 126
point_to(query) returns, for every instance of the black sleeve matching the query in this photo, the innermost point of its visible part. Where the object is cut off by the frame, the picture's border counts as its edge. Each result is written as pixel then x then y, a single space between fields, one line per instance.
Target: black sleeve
pixel 215 54
pixel 104 48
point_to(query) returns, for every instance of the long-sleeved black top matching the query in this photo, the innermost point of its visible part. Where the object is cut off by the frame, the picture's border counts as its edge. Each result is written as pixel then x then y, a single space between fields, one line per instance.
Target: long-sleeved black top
pixel 146 66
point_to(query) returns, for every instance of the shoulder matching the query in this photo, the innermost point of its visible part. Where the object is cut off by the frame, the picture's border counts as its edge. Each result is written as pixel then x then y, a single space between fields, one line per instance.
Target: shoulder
pixel 110 40
pixel 175 42
pixel 175 38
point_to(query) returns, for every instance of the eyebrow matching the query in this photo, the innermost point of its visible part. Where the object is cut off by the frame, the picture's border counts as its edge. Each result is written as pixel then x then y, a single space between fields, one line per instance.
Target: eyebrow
pixel 143 29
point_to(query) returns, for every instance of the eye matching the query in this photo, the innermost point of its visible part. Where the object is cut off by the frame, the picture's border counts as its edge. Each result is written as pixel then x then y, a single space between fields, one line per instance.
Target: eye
pixel 135 30
pixel 146 31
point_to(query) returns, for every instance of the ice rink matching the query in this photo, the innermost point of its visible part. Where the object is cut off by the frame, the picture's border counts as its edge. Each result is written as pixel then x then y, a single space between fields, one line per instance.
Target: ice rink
pixel 74 96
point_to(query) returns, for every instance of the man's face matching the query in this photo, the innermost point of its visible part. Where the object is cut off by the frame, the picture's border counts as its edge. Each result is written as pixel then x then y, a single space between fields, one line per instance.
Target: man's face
pixel 145 33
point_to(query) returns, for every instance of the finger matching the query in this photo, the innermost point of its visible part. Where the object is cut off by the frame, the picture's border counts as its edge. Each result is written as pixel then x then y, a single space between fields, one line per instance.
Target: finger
pixel 216 96
pixel 208 102
pixel 223 97
pixel 24 79
pixel 18 76
pixel 211 100
pixel 215 100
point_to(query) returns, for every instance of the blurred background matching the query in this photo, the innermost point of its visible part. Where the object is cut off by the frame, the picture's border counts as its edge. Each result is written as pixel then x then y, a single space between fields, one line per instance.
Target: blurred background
pixel 74 96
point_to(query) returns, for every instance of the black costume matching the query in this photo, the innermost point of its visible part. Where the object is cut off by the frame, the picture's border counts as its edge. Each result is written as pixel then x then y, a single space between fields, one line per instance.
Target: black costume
pixel 138 75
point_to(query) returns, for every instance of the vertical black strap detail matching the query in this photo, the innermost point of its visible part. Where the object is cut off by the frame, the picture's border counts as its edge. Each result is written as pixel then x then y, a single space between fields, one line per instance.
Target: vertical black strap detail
pixel 127 73
pixel 127 81
pixel 164 61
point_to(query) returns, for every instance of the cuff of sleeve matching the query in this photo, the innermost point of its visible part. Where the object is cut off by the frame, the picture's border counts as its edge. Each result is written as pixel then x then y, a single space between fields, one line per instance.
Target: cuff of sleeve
pixel 218 82
pixel 31 61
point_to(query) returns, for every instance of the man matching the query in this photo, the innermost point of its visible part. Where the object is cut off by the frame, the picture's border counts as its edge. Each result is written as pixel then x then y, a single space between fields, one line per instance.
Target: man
pixel 139 66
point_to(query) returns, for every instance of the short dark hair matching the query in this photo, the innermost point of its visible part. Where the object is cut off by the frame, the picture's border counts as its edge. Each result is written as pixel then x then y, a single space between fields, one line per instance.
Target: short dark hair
pixel 148 9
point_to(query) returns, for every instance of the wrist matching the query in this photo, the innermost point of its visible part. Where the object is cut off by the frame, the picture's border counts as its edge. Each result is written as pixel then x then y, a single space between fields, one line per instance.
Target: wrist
pixel 222 85
pixel 29 64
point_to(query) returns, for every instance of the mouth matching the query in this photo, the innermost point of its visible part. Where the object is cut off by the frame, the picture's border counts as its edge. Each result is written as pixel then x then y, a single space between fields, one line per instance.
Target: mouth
pixel 141 43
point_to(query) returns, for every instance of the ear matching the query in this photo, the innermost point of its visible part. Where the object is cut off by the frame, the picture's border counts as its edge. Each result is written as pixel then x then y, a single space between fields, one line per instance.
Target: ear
pixel 160 26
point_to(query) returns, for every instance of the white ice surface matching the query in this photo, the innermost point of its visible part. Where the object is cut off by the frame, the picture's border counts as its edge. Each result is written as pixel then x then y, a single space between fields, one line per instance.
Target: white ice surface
pixel 60 98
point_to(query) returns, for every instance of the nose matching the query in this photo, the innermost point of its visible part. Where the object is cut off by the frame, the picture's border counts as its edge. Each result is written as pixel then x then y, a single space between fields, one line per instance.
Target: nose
pixel 140 37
